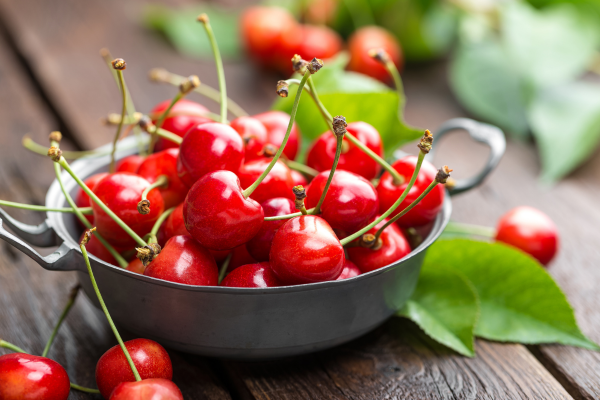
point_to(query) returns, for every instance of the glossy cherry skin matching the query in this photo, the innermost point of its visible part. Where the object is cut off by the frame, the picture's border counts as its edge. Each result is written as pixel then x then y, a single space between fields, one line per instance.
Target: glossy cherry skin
pixel 350 271
pixel 240 256
pixel 531 231
pixel 306 250
pixel 82 199
pixel 427 209
pixel 121 192
pixel 129 164
pixel 278 183
pixel 258 275
pixel 178 124
pixel 394 246
pixel 150 359
pixel 216 213
pixel 373 37
pixel 27 377
pixel 322 153
pixel 298 178
pixel 165 163
pixel 276 123
pixel 254 134
pixel 259 246
pixel 209 147
pixel 183 260
pixel 351 201
pixel 147 389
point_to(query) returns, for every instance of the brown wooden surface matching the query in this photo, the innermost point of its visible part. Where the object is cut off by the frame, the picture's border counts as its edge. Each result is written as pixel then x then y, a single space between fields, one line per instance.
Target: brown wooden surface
pixel 58 41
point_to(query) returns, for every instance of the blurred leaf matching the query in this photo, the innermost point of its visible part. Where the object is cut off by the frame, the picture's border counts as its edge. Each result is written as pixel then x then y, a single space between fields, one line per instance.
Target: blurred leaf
pixel 189 37
pixel 445 306
pixel 565 121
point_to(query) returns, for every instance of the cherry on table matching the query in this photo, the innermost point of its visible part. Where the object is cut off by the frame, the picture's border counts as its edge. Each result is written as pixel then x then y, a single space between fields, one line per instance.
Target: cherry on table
pixel 276 123
pixel 259 246
pixel 254 134
pixel 373 37
pixel 259 275
pixel 82 199
pixel 129 164
pixel 178 124
pixel 350 271
pixel 165 163
pixel 27 377
pixel 147 389
pixel 278 183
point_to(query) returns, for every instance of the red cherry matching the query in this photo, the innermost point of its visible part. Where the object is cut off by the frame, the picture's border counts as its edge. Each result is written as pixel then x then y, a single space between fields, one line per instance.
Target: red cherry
pixel 147 389
pixel 373 37
pixel 165 163
pixel 27 377
pixel 530 230
pixel 322 153
pixel 306 250
pixel 298 178
pixel 276 123
pixel 178 124
pixel 259 246
pixel 136 266
pixel 216 213
pixel 394 246
pixel 82 199
pixel 252 275
pixel 350 271
pixel 150 359
pixel 209 147
pixel 427 209
pixel 121 192
pixel 129 164
pixel 240 256
pixel 318 41
pixel 183 260
pixel 351 201
pixel 278 183
pixel 254 134
pixel 96 248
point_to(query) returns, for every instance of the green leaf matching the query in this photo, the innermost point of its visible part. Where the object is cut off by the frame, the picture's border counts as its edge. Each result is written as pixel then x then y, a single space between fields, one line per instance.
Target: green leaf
pixel 565 121
pixel 520 302
pixel 445 306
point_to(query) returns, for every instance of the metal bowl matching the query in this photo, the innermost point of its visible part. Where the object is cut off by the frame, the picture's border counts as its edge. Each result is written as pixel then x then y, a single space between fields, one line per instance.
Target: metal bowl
pixel 241 323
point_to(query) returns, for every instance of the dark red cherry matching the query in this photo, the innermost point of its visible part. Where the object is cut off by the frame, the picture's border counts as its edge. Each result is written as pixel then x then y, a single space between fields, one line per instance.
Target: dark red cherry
pixel 183 260
pixel 298 178
pixel 373 37
pixel 306 250
pixel 278 183
pixel 150 359
pixel 276 123
pixel 136 266
pixel 252 275
pixel 129 164
pixel 394 246
pixel 216 213
pixel 147 389
pixel 350 271
pixel 178 124
pixel 322 153
pixel 165 163
pixel 351 201
pixel 209 147
pixel 254 134
pixel 260 245
pixel 427 209
pixel 82 199
pixel 27 377
pixel 97 249
pixel 531 231
pixel 121 192
pixel 240 256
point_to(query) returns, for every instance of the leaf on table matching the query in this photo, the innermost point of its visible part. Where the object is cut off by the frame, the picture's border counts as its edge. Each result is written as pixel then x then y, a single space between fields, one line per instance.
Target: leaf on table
pixel 445 306
pixel 565 121
pixel 520 302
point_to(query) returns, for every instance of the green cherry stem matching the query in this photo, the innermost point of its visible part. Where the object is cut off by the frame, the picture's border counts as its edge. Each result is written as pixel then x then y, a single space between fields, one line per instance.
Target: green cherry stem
pixel 84 389
pixel 86 237
pixel 469 229
pixel 10 346
pixel 158 223
pixel 339 130
pixel 63 315
pixel 288 216
pixel 119 65
pixel 384 59
pixel 31 207
pixel 305 169
pixel 167 135
pixel 203 18
pixel 224 267
pixel 207 114
pixel 34 147
pixel 144 204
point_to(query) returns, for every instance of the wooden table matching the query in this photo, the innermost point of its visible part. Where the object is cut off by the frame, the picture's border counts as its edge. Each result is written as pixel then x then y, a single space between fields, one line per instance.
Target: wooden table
pixel 51 77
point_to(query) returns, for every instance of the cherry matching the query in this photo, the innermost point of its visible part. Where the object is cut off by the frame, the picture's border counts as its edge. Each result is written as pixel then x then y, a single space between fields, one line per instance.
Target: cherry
pixel 278 183
pixel 165 163
pixel 276 123
pixel 82 199
pixel 351 201
pixel 252 275
pixel 259 246
pixel 531 231
pixel 96 248
pixel 298 178
pixel 178 124
pixel 209 147
pixel 216 213
pixel 318 41
pixel 306 250
pixel 121 193
pixel 254 134
pixel 150 359
pixel 147 389
pixel 350 270
pixel 27 377
pixel 322 153
pixel 427 209
pixel 240 256
pixel 373 37
pixel 183 260
pixel 129 164
pixel 136 266
pixel 392 248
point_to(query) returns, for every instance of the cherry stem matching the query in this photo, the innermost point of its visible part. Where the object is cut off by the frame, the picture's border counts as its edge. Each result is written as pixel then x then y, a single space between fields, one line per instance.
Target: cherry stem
pixel 31 207
pixel 161 120
pixel 120 126
pixel 223 270
pixel 161 181
pixel 288 216
pixel 469 229
pixel 207 114
pixel 392 70
pixel 305 169
pixel 158 224
pixel 253 187
pixel 203 18
pixel 393 207
pixel 167 135
pixel 34 147
pixel 338 152
pixel 10 346
pixel 103 306
pixel 63 315
pixel 84 389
